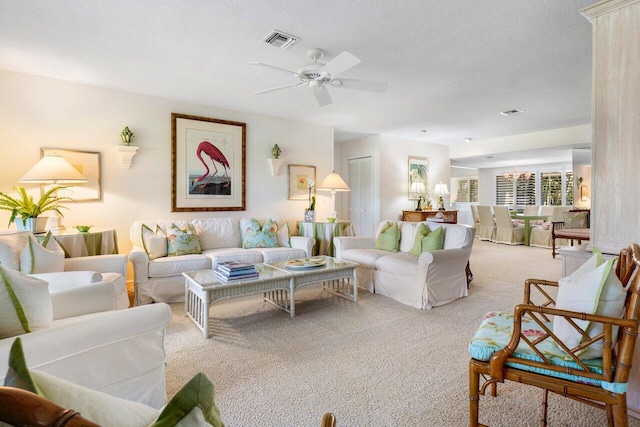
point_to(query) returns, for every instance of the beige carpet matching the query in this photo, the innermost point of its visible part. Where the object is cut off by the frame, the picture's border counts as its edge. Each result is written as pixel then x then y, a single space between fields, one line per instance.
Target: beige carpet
pixel 375 363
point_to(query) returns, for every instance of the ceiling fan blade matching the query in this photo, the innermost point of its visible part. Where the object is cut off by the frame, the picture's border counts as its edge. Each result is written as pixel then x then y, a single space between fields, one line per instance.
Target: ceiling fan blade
pixel 340 64
pixel 278 88
pixel 260 64
pixel 322 96
pixel 359 85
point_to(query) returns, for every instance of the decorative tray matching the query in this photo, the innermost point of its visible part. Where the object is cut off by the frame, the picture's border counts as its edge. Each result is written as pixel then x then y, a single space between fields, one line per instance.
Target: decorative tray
pixel 302 263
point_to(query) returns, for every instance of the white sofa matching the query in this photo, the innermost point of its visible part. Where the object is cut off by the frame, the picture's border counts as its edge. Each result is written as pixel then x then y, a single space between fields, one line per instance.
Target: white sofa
pixel 98 274
pixel 434 278
pixel 161 280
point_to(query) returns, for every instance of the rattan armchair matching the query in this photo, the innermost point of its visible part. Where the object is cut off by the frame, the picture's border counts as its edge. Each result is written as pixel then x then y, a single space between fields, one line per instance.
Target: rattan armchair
pixel 603 387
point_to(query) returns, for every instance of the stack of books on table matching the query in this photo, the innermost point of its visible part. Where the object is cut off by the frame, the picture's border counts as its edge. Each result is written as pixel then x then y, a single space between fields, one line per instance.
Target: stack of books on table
pixel 234 271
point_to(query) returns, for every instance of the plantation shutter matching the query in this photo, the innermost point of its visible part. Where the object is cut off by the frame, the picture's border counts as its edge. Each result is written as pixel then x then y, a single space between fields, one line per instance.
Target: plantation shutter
pixel 526 190
pixel 569 187
pixel 551 188
pixel 504 190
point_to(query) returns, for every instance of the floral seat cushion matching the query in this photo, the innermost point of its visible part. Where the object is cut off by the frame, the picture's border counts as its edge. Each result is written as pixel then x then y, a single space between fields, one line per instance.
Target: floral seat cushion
pixel 495 332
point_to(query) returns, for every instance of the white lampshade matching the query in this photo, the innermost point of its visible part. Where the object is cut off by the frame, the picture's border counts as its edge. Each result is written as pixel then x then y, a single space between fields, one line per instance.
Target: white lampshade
pixel 417 187
pixel 333 182
pixel 53 169
pixel 441 189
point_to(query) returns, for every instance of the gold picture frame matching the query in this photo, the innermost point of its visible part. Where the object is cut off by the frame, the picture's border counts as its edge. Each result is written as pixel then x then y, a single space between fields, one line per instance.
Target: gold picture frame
pixel 298 175
pixel 208 160
pixel 88 164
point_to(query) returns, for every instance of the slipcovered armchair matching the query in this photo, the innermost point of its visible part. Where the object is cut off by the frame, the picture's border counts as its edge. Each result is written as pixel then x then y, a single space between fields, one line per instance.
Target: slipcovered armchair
pixel 541 234
pixel 578 345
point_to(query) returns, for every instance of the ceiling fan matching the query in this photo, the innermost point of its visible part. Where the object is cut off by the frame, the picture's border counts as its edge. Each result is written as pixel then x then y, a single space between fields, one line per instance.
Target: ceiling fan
pixel 317 76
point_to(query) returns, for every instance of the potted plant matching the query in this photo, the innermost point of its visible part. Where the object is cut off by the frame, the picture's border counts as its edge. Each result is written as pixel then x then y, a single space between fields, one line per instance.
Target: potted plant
pixel 23 206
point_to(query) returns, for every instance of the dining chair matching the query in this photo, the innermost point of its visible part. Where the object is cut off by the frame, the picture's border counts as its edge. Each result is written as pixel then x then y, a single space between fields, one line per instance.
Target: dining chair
pixel 531 210
pixel 506 232
pixel 541 233
pixel 547 210
pixel 530 345
pixel 486 229
pixel 474 216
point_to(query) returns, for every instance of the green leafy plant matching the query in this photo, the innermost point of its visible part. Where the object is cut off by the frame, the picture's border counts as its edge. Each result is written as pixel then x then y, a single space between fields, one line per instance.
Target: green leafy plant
pixel 25 207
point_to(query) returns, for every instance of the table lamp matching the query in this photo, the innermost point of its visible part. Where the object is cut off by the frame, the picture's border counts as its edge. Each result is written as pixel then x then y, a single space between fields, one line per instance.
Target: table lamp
pixel 439 191
pixel 54 170
pixel 333 182
pixel 418 189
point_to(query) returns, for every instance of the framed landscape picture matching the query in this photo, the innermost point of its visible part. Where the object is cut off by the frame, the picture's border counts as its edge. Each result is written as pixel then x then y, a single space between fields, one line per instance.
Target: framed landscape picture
pixel 88 164
pixel 207 164
pixel 298 175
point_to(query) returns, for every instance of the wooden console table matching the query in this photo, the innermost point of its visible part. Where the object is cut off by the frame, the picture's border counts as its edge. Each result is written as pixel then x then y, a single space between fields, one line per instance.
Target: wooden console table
pixel 419 216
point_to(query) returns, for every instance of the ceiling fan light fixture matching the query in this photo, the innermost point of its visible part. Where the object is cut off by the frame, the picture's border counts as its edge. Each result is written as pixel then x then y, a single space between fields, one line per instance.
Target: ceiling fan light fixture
pixel 336 83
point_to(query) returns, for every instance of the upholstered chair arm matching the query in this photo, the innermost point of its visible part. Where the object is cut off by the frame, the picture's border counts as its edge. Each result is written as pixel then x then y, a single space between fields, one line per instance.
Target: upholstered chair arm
pixel 89 351
pixel 115 263
pixel 140 261
pixel 303 242
pixel 434 265
pixel 350 242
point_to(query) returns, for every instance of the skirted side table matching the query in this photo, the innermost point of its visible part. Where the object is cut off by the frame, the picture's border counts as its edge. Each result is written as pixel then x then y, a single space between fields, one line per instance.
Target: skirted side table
pixel 97 241
pixel 324 232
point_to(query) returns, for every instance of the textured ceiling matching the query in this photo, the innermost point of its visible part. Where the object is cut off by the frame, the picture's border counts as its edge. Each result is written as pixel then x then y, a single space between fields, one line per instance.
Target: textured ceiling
pixel 451 66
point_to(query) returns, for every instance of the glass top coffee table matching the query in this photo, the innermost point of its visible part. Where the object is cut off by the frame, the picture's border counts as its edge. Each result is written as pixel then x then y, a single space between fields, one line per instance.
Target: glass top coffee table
pixel 277 282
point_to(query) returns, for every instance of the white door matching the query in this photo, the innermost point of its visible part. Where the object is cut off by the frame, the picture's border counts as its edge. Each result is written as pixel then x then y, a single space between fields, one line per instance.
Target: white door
pixel 361 195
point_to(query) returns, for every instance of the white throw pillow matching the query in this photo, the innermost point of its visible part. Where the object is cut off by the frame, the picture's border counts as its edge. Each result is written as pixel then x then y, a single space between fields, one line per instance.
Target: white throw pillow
pixel 25 303
pixel 154 243
pixel 283 236
pixel 593 288
pixel 11 245
pixel 47 257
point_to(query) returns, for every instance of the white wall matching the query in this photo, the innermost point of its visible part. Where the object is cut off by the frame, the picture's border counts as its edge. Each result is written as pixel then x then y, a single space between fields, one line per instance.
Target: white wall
pixel 391 155
pixel 39 113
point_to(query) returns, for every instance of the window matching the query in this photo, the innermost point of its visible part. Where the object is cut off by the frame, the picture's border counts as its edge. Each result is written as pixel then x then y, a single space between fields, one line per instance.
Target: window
pixel 526 189
pixel 467 190
pixel 551 188
pixel 568 187
pixel 504 190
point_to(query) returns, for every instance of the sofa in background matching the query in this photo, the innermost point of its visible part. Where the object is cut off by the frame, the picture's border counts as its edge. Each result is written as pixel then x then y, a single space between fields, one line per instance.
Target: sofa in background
pixel 158 277
pixel 434 278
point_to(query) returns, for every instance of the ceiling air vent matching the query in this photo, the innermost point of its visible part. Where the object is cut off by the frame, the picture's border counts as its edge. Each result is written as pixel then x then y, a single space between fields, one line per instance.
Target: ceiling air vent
pixel 282 40
pixel 512 112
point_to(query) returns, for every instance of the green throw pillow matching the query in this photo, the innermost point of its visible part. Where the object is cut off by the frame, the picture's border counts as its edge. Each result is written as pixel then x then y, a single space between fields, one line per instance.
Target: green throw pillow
pixel 575 219
pixel 256 236
pixel 421 232
pixel 434 241
pixel 18 375
pixel 389 238
pixel 182 241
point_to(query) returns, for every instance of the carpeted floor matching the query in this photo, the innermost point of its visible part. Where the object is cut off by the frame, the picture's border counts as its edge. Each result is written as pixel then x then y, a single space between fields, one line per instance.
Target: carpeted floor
pixel 375 363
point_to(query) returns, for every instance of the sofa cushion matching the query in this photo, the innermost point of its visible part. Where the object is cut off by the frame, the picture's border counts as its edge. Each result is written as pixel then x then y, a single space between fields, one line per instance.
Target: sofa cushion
pixel 284 235
pixel 273 255
pixel 257 236
pixel 47 257
pixel 421 232
pixel 182 241
pixel 154 243
pixel 401 264
pixel 215 233
pixel 216 256
pixel 25 303
pixel 174 266
pixel 576 219
pixel 365 257
pixel 408 232
pixel 434 241
pixel 455 236
pixel 11 245
pixel 389 238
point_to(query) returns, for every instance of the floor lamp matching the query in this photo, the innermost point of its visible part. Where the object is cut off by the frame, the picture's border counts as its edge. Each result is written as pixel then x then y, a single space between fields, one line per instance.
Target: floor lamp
pixel 333 182
pixel 53 169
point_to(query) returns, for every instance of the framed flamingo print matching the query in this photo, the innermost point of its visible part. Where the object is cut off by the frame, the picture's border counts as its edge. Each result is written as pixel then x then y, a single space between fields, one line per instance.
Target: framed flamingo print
pixel 207 164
